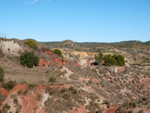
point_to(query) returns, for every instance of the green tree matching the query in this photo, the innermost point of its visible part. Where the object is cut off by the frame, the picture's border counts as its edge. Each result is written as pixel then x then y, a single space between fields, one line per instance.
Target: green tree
pixel 1 74
pixel 99 58
pixel 29 59
pixel 109 60
pixel 120 60
pixel 31 44
pixel 58 52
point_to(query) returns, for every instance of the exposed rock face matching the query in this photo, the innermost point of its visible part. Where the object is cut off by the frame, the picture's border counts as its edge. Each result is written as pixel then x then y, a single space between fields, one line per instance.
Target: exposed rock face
pixel 83 62
pixel 10 48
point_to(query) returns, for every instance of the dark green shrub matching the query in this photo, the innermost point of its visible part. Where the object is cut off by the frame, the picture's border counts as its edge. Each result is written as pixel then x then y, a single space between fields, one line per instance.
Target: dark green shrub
pixel 71 88
pixel 120 60
pixel 58 52
pixel 19 92
pixel 29 59
pixel 1 74
pixel 9 85
pixel 52 79
pixel 99 58
pixel 48 90
pixel 74 91
pixel 63 90
pixel 15 101
pixel 109 60
pixel 25 92
pixel 5 108
pixel 31 44
pixel 114 60
pixel 66 96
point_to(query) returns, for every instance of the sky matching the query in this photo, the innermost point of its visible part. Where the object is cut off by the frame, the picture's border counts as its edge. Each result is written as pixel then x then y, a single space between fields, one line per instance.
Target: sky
pixel 76 20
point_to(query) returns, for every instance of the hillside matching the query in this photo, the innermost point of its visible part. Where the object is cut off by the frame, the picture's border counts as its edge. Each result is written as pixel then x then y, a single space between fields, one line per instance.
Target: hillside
pixel 71 84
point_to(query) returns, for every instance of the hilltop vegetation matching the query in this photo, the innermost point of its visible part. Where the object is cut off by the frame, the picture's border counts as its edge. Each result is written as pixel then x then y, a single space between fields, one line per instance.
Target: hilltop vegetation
pixel 31 44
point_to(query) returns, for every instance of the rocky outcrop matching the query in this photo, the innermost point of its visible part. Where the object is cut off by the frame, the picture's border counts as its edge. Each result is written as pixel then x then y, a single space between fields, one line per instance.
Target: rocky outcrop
pixel 10 48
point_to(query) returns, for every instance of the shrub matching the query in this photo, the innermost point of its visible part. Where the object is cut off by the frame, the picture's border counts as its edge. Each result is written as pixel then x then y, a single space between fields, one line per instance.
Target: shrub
pixel 5 108
pixel 15 101
pixel 109 60
pixel 1 74
pixel 29 59
pixel 48 90
pixel 58 52
pixel 74 91
pixel 52 79
pixel 99 58
pixel 63 90
pixel 9 85
pixel 120 60
pixel 66 96
pixel 31 44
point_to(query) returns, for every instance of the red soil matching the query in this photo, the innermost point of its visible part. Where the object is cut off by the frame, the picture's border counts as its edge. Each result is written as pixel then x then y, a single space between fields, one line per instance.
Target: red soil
pixel 28 101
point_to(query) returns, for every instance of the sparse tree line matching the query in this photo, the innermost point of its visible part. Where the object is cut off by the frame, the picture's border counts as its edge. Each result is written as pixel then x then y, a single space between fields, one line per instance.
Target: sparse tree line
pixel 109 60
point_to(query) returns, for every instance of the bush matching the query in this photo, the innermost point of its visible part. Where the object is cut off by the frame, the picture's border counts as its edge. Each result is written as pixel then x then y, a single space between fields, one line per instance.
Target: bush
pixel 74 91
pixel 99 58
pixel 66 96
pixel 52 79
pixel 120 60
pixel 9 85
pixel 29 59
pixel 5 108
pixel 58 52
pixel 110 60
pixel 63 90
pixel 48 90
pixel 31 44
pixel 1 74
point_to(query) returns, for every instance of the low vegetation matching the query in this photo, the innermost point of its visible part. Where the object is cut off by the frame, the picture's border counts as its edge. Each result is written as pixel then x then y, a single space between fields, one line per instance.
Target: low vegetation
pixel 52 79
pixel 5 108
pixel 1 74
pixel 9 85
pixel 58 52
pixel 31 44
pixel 29 59
pixel 99 58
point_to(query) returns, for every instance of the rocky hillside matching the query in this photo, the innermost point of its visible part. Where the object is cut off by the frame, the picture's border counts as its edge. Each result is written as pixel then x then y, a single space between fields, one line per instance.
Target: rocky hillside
pixel 71 84
pixel 136 52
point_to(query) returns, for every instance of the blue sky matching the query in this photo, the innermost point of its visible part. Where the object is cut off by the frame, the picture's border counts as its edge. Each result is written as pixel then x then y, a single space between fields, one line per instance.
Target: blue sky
pixel 77 20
